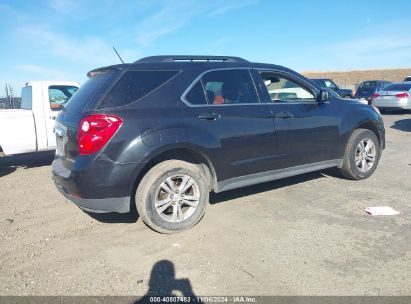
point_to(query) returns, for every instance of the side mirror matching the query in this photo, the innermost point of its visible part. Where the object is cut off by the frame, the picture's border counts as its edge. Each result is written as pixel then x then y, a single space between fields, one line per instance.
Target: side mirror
pixel 324 96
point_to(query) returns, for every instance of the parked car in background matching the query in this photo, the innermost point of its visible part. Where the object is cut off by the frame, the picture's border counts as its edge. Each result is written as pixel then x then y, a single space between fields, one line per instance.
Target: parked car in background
pixel 408 78
pixel 166 130
pixel 329 84
pixel 369 87
pixel 30 128
pixel 393 96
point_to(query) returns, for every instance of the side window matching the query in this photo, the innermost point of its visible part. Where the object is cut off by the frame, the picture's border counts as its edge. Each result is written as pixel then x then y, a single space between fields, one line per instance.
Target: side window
pixel 229 87
pixel 26 98
pixel 59 95
pixel 196 95
pixel 282 89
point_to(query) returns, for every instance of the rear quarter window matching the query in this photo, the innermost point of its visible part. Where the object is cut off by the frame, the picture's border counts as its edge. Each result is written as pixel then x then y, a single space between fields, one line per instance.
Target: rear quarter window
pixel 134 85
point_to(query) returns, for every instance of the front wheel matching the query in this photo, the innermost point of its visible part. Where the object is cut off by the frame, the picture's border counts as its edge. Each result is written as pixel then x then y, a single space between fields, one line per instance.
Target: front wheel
pixel 172 196
pixel 362 154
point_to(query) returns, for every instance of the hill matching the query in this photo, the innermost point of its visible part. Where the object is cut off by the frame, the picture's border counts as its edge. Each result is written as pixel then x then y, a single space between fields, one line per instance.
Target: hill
pixel 351 79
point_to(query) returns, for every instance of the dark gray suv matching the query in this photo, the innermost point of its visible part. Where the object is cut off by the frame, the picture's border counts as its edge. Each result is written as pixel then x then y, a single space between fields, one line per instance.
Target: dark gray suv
pixel 164 131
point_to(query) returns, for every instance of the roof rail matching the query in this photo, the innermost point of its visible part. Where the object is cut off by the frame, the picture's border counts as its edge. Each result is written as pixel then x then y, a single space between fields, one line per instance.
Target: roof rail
pixel 190 58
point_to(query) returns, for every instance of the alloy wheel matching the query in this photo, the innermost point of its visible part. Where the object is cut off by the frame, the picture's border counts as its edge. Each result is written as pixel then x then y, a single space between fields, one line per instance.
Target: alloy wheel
pixel 177 198
pixel 365 155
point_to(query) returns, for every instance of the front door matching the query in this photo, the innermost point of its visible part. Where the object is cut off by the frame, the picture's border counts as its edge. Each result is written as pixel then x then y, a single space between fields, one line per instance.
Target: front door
pixel 306 131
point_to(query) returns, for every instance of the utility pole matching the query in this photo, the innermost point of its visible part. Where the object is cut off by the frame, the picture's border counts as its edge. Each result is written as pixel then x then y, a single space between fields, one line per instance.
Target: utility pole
pixel 9 96
pixel 11 90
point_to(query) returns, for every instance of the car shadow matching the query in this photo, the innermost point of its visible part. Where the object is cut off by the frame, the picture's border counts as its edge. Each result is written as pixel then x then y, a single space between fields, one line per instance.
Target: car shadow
pixel 394 112
pixel 402 125
pixel 9 164
pixel 216 198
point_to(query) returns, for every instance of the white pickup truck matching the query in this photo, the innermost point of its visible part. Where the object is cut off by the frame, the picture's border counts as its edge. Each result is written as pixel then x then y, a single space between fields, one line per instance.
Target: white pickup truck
pixel 30 128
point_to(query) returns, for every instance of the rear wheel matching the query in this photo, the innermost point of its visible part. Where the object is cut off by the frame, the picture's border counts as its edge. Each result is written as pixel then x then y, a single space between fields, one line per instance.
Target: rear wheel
pixel 362 154
pixel 172 196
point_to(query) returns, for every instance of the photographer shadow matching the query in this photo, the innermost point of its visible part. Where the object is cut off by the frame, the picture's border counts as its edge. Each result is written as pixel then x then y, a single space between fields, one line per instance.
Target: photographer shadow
pixel 164 284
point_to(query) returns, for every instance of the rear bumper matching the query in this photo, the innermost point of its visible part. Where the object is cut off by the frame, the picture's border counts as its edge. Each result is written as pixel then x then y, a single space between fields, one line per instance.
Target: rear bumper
pixel 101 186
pixel 395 104
pixel 102 205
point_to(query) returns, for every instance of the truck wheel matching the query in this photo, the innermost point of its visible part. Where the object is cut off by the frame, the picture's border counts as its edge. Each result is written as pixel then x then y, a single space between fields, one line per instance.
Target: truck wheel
pixel 172 196
pixel 362 154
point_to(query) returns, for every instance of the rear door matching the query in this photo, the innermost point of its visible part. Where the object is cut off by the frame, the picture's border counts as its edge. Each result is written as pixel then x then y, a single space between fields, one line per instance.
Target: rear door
pixel 223 115
pixel 55 98
pixel 306 131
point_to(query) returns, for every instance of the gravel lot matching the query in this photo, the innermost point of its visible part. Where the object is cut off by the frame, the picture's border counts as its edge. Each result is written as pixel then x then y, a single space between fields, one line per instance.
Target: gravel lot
pixel 306 235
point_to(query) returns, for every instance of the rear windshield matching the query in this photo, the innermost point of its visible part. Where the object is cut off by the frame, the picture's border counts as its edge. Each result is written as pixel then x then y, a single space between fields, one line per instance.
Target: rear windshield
pixel 368 85
pixel 134 85
pixel 89 92
pixel 398 87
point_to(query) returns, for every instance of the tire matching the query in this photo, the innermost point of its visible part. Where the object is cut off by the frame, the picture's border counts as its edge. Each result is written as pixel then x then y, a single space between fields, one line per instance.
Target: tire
pixel 178 215
pixel 353 150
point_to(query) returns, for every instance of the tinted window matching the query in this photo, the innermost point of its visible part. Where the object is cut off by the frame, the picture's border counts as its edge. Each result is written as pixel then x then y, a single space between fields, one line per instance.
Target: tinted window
pixel 196 94
pixel 229 87
pixel 59 96
pixel 318 82
pixel 398 87
pixel 407 78
pixel 325 83
pixel 26 98
pixel 285 90
pixel 89 92
pixel 368 85
pixel 134 85
pixel 329 84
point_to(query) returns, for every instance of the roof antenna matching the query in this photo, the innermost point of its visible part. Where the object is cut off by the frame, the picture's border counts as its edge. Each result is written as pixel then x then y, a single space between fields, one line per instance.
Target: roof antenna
pixel 118 55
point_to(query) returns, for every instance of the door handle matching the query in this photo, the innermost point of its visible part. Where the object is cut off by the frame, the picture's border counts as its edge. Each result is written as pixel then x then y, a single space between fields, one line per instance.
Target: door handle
pixel 284 115
pixel 209 116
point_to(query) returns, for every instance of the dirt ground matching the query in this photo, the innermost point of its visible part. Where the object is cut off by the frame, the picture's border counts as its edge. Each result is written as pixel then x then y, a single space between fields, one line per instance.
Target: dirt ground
pixel 306 235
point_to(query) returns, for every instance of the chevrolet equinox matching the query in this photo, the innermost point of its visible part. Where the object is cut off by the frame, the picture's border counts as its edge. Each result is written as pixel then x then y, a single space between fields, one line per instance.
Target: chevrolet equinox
pixel 164 131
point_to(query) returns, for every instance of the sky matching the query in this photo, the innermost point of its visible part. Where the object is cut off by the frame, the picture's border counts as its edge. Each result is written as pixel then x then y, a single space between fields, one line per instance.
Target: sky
pixel 64 39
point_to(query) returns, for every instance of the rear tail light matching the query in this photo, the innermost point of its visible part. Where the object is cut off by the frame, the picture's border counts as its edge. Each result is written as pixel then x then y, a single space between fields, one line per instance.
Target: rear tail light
pixel 375 95
pixel 402 95
pixel 95 131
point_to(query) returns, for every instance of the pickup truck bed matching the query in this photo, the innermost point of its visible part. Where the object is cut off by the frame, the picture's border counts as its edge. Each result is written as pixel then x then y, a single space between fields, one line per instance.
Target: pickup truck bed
pixel 18 132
